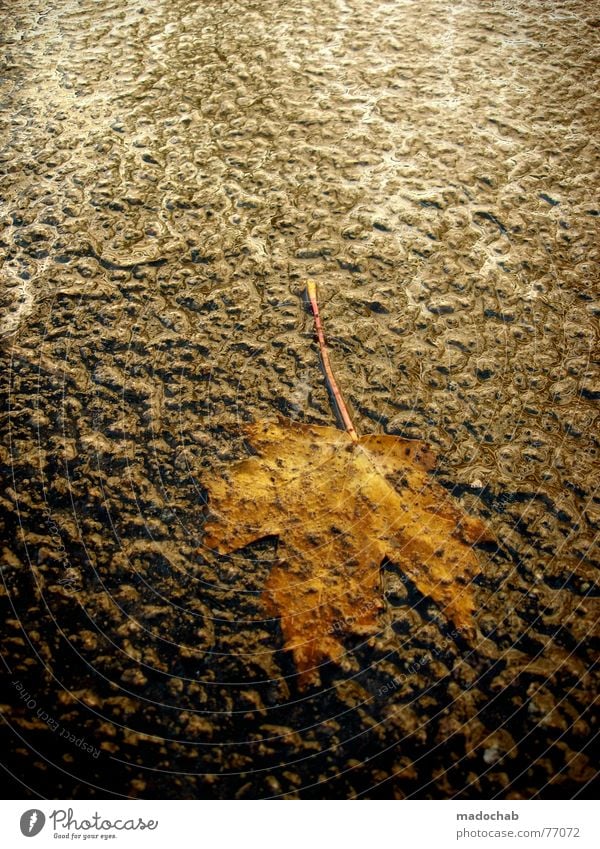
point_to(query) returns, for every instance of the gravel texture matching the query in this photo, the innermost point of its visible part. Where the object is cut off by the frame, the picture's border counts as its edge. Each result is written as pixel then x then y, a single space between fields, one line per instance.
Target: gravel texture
pixel 170 175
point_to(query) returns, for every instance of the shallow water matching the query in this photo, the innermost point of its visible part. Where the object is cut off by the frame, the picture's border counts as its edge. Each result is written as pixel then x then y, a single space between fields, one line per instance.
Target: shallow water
pixel 170 176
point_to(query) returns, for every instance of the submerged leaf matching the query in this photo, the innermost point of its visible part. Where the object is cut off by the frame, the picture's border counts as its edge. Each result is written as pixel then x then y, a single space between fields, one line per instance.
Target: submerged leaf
pixel 339 507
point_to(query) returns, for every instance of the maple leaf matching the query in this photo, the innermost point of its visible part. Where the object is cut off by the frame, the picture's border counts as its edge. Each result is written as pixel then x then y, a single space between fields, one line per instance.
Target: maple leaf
pixel 340 504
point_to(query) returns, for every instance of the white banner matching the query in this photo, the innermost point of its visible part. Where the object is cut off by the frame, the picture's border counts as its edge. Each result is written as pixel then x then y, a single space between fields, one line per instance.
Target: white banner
pixel 317 824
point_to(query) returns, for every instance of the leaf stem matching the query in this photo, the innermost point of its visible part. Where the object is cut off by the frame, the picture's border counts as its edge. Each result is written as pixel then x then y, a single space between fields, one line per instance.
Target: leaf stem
pixel 311 288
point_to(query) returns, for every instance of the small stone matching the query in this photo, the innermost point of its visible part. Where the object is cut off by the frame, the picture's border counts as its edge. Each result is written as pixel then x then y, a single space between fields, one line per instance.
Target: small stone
pixel 492 755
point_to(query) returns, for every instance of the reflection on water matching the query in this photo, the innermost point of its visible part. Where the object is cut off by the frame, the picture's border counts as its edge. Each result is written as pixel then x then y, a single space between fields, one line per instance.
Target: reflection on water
pixel 171 173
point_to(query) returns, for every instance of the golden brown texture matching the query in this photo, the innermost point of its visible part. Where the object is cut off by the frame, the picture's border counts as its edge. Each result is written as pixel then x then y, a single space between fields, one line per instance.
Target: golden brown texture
pixel 338 515
pixel 171 173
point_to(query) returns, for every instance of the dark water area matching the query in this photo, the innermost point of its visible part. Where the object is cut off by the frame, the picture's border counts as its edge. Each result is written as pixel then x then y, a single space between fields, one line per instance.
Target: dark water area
pixel 171 174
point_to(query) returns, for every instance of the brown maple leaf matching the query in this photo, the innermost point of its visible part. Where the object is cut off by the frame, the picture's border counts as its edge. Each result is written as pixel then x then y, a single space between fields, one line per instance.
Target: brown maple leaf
pixel 341 504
